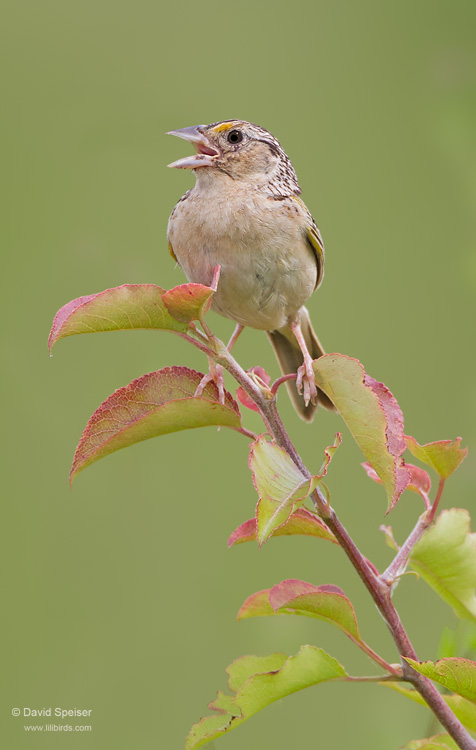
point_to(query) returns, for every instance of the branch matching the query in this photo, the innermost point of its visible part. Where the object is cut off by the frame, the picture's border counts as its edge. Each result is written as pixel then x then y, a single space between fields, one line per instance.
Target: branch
pixel 400 561
pixel 439 493
pixel 373 678
pixel 378 589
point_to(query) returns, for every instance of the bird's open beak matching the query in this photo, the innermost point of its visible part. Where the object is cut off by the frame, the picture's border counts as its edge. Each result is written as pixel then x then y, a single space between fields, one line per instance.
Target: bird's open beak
pixel 206 154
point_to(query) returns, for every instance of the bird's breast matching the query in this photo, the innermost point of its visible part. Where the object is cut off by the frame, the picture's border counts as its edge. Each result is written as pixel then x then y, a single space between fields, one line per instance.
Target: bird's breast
pixel 268 270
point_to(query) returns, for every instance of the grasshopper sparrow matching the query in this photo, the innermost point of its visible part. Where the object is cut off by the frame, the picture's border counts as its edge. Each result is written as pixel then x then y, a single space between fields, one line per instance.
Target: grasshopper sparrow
pixel 245 215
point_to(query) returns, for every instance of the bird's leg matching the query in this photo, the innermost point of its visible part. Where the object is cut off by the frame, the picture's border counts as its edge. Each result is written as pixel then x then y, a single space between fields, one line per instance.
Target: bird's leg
pixel 215 375
pixel 305 382
pixel 234 336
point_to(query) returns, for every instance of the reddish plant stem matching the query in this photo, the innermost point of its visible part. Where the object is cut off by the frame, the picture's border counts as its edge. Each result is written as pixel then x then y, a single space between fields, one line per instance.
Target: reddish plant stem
pixel 393 669
pixel 196 343
pixel 439 493
pixel 280 381
pixel 378 590
pixel 248 433
pixel 399 562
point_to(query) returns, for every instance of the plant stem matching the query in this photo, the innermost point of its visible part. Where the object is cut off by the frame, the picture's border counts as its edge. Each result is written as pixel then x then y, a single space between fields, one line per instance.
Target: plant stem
pixel 373 678
pixel 196 343
pixel 439 493
pixel 399 562
pixel 379 590
pixel 248 433
pixel 394 670
pixel 280 381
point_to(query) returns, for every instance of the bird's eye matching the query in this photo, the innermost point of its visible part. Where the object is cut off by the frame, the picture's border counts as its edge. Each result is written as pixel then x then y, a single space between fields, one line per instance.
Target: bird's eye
pixel 235 136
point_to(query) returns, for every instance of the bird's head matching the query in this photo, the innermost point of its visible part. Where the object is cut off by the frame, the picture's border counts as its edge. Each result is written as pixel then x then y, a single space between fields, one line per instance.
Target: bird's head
pixel 242 151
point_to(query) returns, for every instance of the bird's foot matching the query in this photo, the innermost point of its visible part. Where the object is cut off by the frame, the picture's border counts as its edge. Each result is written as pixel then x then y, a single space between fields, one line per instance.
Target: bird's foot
pixel 214 376
pixel 305 383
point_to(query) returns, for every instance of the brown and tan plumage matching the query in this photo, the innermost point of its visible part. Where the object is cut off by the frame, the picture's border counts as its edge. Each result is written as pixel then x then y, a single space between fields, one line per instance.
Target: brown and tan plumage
pixel 245 214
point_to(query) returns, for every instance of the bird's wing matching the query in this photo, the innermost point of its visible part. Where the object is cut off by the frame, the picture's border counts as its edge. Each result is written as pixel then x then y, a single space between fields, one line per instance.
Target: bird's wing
pixel 171 251
pixel 314 238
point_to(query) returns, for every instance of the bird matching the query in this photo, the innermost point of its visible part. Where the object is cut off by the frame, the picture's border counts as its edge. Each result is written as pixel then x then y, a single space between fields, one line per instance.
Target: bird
pixel 245 214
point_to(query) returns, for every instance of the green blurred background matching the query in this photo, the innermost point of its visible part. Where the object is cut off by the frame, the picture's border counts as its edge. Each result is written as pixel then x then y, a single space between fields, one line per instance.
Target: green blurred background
pixel 120 595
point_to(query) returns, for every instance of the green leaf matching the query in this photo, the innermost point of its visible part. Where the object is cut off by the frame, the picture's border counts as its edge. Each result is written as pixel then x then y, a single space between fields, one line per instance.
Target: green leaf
pixel 445 557
pixel 259 681
pixel 188 302
pixel 302 521
pixel 154 404
pixel 444 455
pixel 447 645
pixel 127 307
pixel 245 667
pixel 372 415
pixel 437 742
pixel 389 538
pixel 294 597
pixel 455 674
pixel 463 709
pixel 281 486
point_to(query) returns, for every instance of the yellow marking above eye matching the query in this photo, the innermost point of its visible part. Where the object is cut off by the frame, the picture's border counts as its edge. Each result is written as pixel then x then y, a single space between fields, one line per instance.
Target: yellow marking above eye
pixel 224 126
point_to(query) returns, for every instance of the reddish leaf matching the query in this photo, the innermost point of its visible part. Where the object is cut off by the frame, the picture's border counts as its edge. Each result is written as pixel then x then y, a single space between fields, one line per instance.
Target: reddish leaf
pixel 154 404
pixel 126 307
pixel 393 415
pixel 188 302
pixel 372 415
pixel 420 481
pixel 294 597
pixel 444 455
pixel 284 593
pixel 256 605
pixel 302 521
pixel 262 378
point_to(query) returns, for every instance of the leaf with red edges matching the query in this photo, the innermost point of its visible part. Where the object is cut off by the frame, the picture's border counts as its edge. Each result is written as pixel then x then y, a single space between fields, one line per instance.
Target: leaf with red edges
pixel 444 456
pixel 126 307
pixel 372 415
pixel 262 379
pixel 294 597
pixel 256 605
pixel 188 302
pixel 280 484
pixel 420 481
pixel 302 521
pixel 154 404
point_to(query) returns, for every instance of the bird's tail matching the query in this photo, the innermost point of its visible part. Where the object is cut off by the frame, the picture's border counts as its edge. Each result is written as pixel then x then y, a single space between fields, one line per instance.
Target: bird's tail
pixel 290 357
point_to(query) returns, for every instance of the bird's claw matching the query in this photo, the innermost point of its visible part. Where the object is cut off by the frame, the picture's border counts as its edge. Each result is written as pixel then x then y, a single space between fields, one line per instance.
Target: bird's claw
pixel 305 382
pixel 214 376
